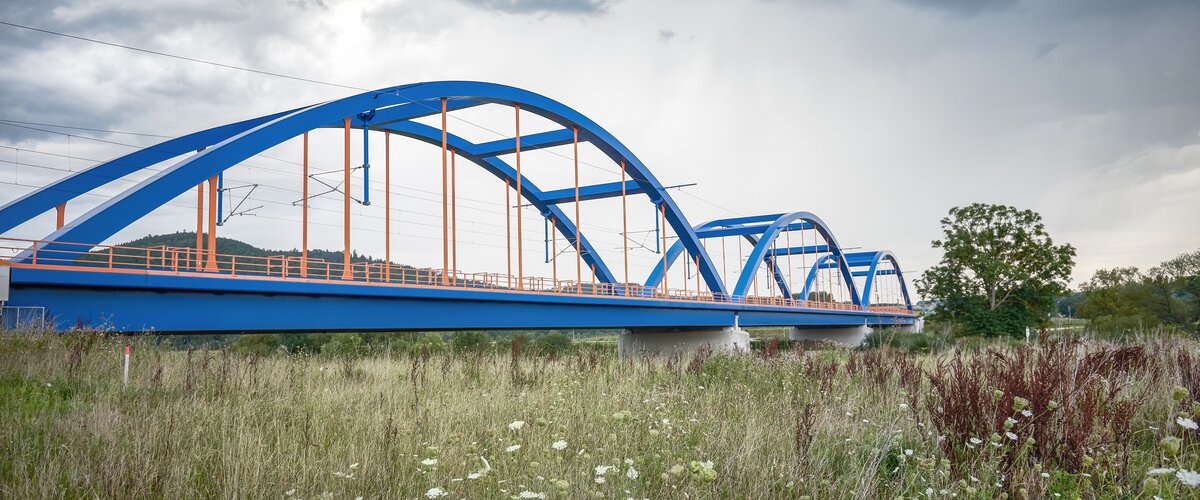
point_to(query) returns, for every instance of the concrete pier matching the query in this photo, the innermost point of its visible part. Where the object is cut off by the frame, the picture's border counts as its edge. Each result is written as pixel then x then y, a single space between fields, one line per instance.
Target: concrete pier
pixel 849 336
pixel 655 342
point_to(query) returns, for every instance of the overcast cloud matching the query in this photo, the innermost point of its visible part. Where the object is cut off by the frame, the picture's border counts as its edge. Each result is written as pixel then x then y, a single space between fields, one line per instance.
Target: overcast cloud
pixel 877 115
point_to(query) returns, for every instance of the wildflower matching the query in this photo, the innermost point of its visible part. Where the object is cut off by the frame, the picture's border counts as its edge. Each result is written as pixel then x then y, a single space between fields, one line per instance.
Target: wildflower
pixel 653 432
pixel 1045 474
pixel 516 425
pixel 975 441
pixel 1178 393
pixel 677 469
pixel 703 471
pixel 1170 445
pixel 600 479
pixel 354 466
pixel 1026 413
pixel 903 406
pixel 997 394
pixel 631 473
pixel 513 448
pixel 1009 423
pixel 1052 405
pixel 435 492
pixel 1160 471
pixel 559 445
pixel 1019 403
pixel 290 492
pixel 530 494
pixel 1186 423
pixel 1189 478
pixel 908 452
pixel 628 461
pixel 429 462
pixel 603 469
pixel 474 475
pixel 1010 436
pixel 562 484
pixel 995 438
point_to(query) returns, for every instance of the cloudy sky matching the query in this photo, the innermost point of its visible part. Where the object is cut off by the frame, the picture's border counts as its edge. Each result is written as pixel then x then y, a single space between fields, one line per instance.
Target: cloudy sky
pixel 878 115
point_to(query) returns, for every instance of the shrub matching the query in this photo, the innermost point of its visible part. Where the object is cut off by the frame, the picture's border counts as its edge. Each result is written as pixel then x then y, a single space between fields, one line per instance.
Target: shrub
pixel 343 345
pixel 463 342
pixel 554 343
pixel 261 345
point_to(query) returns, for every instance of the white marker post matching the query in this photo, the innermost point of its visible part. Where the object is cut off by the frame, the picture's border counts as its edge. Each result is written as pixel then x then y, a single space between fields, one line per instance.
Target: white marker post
pixel 125 376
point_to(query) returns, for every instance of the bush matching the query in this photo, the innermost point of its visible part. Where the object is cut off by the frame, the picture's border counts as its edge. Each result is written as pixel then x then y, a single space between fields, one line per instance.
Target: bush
pixel 554 343
pixel 463 342
pixel 429 342
pixel 343 345
pixel 262 345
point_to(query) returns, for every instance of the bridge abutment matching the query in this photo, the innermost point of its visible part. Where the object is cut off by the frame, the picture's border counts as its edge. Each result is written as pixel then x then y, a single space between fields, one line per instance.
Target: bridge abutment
pixel 667 341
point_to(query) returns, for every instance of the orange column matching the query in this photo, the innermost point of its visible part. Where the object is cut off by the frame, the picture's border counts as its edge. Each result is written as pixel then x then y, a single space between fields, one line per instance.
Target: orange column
pixel 453 217
pixel 445 206
pixel 520 235
pixel 508 228
pixel 61 215
pixel 624 228
pixel 387 206
pixel 199 225
pixel 662 210
pixel 211 265
pixel 347 271
pixel 304 214
pixel 578 221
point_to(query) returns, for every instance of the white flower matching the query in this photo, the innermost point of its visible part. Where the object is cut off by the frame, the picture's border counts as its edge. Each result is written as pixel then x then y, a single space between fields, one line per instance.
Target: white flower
pixel 1160 471
pixel 429 461
pixel 1010 421
pixel 1011 436
pixel 290 492
pixel 1186 423
pixel 628 461
pixel 603 469
pixel 435 493
pixel 516 425
pixel 1045 474
pixel 1026 413
pixel 513 448
pixel 1188 478
pixel 530 494
pixel 903 406
pixel 631 473
pixel 559 445
pixel 908 452
pixel 474 475
pixel 600 480
pixel 354 466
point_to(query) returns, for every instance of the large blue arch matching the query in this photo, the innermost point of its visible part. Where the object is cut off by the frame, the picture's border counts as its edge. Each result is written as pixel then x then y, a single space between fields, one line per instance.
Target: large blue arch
pixel 392 105
pixel 871 261
pixel 756 256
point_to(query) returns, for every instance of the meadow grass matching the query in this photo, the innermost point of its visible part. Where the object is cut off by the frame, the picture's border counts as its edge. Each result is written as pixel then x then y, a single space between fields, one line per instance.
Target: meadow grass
pixel 783 423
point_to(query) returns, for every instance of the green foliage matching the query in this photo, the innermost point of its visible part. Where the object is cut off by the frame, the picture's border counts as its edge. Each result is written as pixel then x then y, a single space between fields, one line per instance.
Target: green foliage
pixel 462 342
pixel 925 342
pixel 1124 299
pixel 554 343
pixel 262 345
pixel 820 296
pixel 344 345
pixel 1000 271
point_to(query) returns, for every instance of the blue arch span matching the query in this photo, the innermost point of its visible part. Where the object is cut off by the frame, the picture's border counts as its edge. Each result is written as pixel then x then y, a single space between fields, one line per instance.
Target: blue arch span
pixel 119 211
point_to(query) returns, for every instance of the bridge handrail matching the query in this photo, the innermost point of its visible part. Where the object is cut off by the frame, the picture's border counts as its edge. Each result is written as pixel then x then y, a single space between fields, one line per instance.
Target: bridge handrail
pixel 192 261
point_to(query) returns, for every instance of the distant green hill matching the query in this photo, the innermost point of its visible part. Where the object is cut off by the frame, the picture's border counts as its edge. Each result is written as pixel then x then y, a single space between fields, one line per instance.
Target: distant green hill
pixel 230 246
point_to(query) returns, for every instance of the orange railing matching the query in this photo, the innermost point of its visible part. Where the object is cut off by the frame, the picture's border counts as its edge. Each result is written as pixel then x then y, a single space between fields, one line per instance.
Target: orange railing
pixel 187 261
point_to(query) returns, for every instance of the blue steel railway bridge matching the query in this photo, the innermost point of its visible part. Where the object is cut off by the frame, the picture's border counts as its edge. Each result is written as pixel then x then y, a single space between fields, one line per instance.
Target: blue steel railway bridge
pixel 81 281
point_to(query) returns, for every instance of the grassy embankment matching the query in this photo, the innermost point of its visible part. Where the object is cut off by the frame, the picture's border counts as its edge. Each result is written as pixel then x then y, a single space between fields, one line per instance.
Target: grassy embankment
pixel 825 423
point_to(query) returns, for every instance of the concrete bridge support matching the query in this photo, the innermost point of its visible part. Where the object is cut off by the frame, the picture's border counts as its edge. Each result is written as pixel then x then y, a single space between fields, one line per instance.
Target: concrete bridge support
pixel 655 342
pixel 849 336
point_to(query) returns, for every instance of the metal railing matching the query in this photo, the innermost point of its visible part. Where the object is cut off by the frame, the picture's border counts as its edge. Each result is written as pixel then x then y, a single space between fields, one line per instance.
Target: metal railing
pixel 187 261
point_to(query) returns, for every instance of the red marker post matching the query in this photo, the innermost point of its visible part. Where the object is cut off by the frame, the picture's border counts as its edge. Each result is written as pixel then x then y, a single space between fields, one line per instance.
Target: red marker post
pixel 125 377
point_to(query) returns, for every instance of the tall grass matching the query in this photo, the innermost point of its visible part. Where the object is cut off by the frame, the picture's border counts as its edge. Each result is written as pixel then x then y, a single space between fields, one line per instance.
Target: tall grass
pixel 780 423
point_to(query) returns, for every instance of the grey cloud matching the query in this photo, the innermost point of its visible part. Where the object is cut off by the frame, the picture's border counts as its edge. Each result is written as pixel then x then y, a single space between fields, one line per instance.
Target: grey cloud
pixel 581 7
pixel 1044 49
pixel 962 7
pixel 665 35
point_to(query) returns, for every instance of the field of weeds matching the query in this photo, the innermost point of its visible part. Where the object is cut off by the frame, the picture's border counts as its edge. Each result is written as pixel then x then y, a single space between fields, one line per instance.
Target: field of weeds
pixel 1066 417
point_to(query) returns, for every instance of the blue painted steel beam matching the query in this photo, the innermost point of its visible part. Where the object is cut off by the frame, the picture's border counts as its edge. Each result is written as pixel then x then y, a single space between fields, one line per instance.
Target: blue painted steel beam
pixel 810 249
pixel 405 112
pixel 881 272
pixel 529 142
pixel 745 230
pixel 753 260
pixel 592 192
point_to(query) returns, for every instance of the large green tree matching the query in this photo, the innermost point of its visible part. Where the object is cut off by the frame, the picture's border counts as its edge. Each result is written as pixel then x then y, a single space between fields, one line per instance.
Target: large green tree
pixel 1000 271
pixel 1124 299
